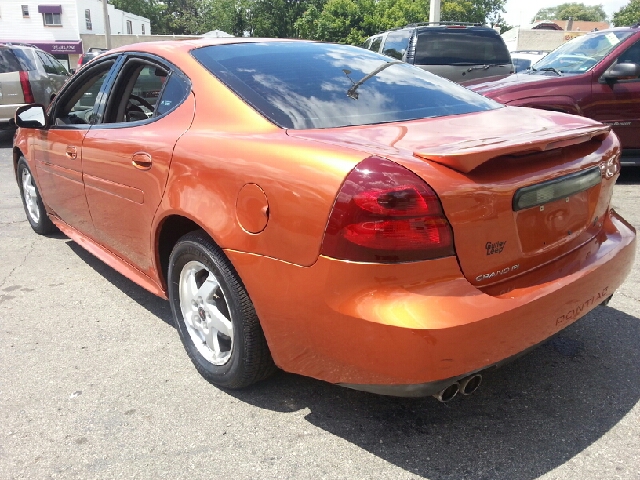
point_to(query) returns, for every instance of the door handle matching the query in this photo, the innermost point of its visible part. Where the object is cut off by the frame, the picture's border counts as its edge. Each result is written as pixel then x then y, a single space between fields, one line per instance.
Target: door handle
pixel 72 152
pixel 141 160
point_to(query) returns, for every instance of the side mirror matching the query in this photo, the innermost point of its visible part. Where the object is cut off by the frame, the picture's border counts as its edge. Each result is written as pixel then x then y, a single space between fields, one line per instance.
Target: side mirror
pixel 622 71
pixel 31 116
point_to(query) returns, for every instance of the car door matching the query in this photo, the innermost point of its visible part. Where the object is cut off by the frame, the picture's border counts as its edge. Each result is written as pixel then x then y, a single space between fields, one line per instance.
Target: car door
pixel 126 158
pixel 58 149
pixel 617 103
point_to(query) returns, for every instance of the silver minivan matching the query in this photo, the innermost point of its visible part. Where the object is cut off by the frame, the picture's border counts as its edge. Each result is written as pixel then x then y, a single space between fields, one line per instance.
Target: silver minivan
pixel 456 51
pixel 27 75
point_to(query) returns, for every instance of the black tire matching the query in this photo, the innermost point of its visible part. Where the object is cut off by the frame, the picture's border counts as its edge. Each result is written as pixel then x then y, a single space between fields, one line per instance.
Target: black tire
pixel 249 359
pixel 38 218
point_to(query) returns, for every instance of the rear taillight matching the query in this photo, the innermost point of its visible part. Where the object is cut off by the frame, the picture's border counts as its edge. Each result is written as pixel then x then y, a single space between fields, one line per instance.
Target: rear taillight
pixel 385 213
pixel 26 87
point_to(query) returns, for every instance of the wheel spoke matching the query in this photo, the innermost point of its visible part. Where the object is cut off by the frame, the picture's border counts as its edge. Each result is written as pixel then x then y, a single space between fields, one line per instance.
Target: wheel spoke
pixel 217 321
pixel 208 288
pixel 211 339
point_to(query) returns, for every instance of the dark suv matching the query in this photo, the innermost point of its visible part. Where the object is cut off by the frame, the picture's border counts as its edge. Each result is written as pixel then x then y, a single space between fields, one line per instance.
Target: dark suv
pixel 596 76
pixel 457 51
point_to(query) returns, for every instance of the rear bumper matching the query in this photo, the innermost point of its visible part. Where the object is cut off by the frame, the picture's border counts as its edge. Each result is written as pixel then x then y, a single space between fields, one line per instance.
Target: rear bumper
pixel 8 112
pixel 630 158
pixel 408 329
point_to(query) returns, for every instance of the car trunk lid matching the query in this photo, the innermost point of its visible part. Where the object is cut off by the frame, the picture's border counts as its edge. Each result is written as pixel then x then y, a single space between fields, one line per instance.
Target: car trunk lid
pixel 520 187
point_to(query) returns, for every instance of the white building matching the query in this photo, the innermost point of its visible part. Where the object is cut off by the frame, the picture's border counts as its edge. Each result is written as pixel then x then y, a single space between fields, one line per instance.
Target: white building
pixel 56 25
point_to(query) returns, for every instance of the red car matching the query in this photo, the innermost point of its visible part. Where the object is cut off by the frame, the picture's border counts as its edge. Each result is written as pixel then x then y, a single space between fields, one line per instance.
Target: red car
pixel 596 75
pixel 327 209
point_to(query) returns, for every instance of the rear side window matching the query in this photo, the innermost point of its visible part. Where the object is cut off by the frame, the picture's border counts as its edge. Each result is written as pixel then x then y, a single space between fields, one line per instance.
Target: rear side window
pixel 460 46
pixel 16 60
pixel 397 43
pixel 175 91
pixel 312 85
pixel 375 44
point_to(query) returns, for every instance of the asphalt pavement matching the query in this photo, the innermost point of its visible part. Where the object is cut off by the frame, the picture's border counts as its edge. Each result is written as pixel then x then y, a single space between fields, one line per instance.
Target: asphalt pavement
pixel 94 383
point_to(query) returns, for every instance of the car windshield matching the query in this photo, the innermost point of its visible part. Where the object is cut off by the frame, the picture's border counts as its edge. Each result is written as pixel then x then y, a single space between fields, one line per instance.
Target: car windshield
pixel 582 53
pixel 314 85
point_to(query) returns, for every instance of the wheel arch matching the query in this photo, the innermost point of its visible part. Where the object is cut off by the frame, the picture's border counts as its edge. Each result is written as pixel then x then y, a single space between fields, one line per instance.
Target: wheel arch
pixel 170 229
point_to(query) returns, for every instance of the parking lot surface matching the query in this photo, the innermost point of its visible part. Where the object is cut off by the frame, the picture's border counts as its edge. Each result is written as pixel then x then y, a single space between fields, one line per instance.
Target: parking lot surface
pixel 95 384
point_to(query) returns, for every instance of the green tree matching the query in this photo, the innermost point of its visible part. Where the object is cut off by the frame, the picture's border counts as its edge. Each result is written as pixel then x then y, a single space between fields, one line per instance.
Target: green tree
pixel 579 11
pixel 473 11
pixel 151 9
pixel 627 15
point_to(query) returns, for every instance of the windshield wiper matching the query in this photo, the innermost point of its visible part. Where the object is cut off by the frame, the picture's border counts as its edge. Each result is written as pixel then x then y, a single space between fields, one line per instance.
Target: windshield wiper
pixel 351 93
pixel 548 69
pixel 484 67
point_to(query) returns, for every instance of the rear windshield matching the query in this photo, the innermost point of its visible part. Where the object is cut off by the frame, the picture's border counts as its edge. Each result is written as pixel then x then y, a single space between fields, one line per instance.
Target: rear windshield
pixel 16 60
pixel 314 85
pixel 460 46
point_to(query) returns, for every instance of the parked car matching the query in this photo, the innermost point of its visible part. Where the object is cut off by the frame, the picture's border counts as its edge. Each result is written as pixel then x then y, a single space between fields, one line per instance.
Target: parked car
pixel 89 55
pixel 328 210
pixel 596 75
pixel 456 51
pixel 525 59
pixel 27 75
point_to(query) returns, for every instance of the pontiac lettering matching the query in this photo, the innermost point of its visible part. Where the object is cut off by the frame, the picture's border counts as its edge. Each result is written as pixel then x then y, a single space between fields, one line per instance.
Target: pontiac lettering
pixel 584 307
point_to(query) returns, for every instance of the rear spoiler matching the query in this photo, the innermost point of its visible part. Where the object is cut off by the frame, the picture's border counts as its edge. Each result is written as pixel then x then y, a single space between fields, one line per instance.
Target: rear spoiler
pixel 467 155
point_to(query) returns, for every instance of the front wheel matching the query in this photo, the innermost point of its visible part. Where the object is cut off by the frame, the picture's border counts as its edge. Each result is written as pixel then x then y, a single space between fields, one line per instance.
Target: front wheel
pixel 218 325
pixel 33 206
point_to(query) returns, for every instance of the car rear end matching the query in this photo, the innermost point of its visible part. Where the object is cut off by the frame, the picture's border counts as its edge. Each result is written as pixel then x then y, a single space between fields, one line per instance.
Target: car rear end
pixel 499 254
pixel 463 234
pixel 459 52
pixel 15 80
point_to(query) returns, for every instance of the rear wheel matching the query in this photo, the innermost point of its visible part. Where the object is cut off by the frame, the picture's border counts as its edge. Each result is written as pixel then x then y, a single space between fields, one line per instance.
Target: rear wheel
pixel 218 325
pixel 33 206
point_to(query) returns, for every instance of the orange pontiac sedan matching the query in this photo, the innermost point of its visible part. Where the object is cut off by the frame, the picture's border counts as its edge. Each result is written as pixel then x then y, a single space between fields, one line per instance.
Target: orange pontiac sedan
pixel 328 210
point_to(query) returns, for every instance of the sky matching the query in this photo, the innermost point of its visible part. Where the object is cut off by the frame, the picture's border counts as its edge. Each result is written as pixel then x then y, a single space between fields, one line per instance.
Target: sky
pixel 520 12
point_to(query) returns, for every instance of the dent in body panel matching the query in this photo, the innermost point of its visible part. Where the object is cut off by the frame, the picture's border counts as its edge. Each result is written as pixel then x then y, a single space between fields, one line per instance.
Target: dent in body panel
pixel 299 179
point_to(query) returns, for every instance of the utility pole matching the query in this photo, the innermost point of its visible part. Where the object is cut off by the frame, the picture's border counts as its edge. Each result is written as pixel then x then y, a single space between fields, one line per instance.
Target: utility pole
pixel 434 11
pixel 107 26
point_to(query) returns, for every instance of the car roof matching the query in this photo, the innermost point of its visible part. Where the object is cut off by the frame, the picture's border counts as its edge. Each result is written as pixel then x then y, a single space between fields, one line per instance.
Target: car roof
pixel 190 44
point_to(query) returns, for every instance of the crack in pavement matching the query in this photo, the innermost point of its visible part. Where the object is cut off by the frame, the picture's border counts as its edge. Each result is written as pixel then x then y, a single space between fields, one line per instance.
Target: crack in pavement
pixel 12 223
pixel 22 262
pixel 627 296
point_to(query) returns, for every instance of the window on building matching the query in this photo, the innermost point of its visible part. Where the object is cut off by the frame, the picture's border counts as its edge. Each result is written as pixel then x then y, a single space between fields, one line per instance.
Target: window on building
pixel 143 29
pixel 25 10
pixel 52 19
pixel 87 19
pixel 129 27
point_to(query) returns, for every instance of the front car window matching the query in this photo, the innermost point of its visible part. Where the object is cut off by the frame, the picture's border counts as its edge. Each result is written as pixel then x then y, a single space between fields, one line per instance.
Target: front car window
pixel 582 53
pixel 81 101
pixel 312 85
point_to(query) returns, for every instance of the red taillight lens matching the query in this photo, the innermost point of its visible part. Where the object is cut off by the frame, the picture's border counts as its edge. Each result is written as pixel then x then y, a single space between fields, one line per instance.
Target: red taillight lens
pixel 385 213
pixel 26 87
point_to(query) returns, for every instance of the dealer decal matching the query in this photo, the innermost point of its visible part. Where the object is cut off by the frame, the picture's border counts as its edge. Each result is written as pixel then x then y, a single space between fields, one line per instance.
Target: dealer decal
pixel 584 307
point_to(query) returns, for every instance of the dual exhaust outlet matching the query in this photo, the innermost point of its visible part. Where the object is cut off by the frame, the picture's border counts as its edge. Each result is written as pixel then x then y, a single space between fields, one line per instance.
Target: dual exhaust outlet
pixel 466 386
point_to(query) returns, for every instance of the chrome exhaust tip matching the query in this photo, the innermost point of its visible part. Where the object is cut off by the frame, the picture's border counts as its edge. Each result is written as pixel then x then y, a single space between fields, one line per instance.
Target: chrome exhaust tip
pixel 447 394
pixel 470 384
